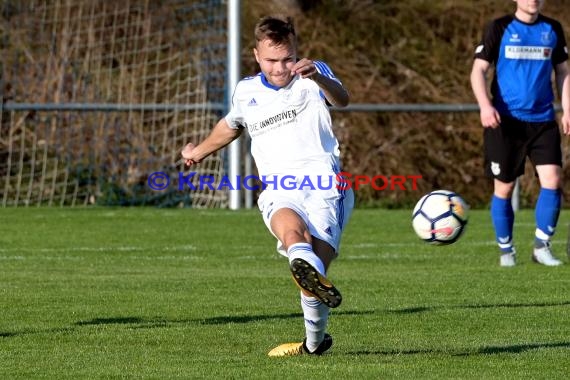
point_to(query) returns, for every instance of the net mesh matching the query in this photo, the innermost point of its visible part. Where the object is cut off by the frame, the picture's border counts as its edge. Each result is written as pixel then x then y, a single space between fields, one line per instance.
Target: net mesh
pixel 139 80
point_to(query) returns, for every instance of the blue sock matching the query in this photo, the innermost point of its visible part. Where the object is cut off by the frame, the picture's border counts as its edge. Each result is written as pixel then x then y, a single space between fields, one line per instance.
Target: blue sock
pixel 546 212
pixel 503 218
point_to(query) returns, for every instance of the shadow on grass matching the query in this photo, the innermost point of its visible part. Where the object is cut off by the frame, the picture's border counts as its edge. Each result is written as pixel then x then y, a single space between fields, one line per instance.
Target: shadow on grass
pixel 112 321
pixel 242 319
pixel 220 320
pixel 424 309
pixel 489 350
pixel 14 334
pixel 158 322
pixel 138 322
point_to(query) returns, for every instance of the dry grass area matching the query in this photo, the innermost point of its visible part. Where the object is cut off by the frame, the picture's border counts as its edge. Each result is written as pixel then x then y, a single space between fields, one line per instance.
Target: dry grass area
pixel 388 51
pixel 395 51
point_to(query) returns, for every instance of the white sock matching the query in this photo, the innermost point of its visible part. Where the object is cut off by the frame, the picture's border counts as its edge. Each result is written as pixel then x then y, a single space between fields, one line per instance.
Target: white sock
pixel 305 251
pixel 541 235
pixel 316 316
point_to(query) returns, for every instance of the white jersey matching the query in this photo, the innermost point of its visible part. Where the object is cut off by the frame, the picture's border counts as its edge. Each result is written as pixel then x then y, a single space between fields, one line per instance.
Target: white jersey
pixel 290 127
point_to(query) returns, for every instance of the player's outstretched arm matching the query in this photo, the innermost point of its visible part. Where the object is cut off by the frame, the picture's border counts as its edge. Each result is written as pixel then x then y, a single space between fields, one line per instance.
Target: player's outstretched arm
pixel 335 93
pixel 220 136
pixel 563 84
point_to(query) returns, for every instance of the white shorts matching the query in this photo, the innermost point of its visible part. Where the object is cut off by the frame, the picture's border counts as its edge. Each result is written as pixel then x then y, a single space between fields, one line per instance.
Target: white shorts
pixel 325 212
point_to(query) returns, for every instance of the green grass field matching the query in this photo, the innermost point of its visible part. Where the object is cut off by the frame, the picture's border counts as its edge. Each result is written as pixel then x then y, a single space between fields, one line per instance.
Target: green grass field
pixel 153 293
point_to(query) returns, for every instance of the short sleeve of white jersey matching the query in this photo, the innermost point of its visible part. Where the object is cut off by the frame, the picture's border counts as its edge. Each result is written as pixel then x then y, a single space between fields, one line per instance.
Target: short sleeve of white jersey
pixel 235 118
pixel 324 69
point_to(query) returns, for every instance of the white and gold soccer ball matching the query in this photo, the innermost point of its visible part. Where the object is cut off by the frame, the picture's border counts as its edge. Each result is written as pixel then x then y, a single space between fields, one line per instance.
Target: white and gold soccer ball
pixel 440 217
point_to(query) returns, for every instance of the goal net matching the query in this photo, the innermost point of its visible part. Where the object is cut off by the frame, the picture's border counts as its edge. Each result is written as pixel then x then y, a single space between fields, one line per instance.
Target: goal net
pixel 97 95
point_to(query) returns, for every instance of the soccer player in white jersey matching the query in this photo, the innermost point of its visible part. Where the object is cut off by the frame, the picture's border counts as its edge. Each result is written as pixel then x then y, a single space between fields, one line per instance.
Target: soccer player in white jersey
pixel 285 110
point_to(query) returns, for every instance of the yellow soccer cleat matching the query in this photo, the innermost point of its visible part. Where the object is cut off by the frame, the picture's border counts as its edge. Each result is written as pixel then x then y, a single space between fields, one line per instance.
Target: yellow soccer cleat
pixel 312 282
pixel 296 349
pixel 287 349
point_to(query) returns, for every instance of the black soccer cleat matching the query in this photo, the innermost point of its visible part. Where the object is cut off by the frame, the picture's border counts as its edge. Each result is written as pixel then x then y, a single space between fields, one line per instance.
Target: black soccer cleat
pixel 311 281
pixel 323 347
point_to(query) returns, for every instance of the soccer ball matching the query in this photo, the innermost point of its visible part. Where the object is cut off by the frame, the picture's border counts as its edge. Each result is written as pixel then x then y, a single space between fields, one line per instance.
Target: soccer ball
pixel 440 217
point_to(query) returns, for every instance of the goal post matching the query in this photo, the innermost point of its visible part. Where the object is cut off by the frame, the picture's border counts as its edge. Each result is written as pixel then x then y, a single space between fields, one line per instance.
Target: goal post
pixel 234 73
pixel 99 95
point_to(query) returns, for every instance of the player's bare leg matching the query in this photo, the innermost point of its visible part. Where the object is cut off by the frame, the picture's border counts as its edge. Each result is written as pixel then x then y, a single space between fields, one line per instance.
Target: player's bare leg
pixel 308 261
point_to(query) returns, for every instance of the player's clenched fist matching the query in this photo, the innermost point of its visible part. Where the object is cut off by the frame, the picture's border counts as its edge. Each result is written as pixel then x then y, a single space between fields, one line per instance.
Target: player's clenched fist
pixel 188 155
pixel 305 68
